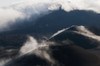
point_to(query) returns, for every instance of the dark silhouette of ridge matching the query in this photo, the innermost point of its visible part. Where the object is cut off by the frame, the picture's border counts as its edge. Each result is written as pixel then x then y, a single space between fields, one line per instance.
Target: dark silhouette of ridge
pixel 55 21
pixel 65 55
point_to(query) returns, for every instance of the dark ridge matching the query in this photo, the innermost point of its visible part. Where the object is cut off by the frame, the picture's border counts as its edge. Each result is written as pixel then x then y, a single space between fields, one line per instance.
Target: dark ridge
pixel 68 36
pixel 60 19
pixel 8 53
pixel 95 30
pixel 28 60
pixel 55 21
pixel 71 55
pixel 12 40
pixel 65 55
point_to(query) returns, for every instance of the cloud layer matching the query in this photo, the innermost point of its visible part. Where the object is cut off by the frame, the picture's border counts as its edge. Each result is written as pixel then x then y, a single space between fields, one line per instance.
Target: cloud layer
pixel 24 9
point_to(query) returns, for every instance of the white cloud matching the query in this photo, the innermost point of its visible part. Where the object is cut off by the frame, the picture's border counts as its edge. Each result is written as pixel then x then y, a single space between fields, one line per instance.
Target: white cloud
pixel 25 8
pixel 29 46
pixel 4 61
pixel 8 16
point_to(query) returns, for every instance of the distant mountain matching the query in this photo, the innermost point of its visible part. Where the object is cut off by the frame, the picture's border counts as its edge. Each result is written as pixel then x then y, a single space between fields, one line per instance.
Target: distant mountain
pixel 60 19
pixel 55 21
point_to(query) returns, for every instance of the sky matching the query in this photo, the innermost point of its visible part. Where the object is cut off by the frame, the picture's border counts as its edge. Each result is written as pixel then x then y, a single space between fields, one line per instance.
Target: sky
pixel 7 2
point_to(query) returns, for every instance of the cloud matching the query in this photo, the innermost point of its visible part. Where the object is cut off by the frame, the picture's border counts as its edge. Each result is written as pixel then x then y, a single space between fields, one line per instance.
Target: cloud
pixel 8 16
pixel 4 61
pixel 24 9
pixel 29 46
pixel 81 5
pixel 32 44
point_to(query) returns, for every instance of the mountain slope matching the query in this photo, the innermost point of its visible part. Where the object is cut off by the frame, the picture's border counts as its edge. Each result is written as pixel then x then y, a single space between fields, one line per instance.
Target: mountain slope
pixel 79 35
pixel 55 21
pixel 64 55
pixel 65 50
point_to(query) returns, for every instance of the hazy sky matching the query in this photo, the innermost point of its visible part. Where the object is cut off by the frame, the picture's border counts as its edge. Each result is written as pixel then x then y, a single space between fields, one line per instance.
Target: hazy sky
pixel 7 2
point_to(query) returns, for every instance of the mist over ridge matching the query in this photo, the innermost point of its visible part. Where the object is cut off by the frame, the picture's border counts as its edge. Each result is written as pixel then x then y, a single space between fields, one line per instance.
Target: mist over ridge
pixel 50 33
pixel 26 9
